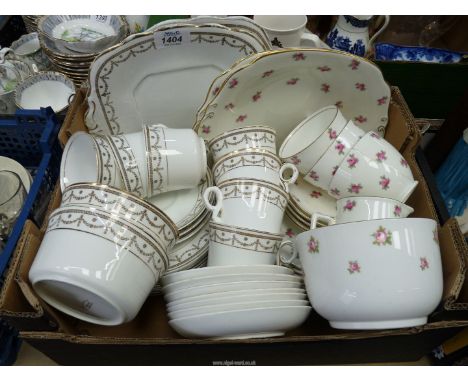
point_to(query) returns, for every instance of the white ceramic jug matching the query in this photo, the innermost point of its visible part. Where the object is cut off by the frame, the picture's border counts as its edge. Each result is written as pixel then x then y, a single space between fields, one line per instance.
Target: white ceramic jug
pixel 351 34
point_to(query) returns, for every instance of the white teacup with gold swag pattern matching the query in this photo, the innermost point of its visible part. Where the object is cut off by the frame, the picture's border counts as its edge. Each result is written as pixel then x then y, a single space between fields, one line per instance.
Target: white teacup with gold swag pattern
pixel 254 164
pixel 231 245
pixel 247 137
pixel 248 203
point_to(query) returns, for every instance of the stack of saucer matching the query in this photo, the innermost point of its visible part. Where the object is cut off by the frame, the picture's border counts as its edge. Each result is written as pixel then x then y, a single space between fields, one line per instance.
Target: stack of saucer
pixel 73 42
pixel 30 22
pixel 234 302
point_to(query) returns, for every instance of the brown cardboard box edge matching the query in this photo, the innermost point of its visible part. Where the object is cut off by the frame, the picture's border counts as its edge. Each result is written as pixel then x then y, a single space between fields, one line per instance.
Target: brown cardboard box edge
pixel 451 246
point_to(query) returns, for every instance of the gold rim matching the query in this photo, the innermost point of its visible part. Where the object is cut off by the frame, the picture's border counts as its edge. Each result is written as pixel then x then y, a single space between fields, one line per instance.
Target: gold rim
pixel 251 181
pixel 242 152
pixel 127 195
pixel 246 232
pixel 301 126
pixel 269 53
pixel 241 130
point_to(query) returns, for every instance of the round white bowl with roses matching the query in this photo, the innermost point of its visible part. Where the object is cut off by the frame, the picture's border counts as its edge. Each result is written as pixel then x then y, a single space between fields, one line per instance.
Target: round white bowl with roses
pixel 377 274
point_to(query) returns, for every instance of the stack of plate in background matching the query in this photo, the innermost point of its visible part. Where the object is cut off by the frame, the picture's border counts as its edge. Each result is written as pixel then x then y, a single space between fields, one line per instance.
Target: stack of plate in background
pixel 72 52
pixel 30 21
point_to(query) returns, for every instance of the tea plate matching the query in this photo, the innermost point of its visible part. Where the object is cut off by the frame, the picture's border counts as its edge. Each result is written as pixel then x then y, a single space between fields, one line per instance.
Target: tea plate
pixel 190 251
pixel 234 306
pixel 281 88
pixel 241 324
pixel 221 279
pixel 243 297
pixel 310 199
pixel 224 270
pixel 226 287
pixel 143 81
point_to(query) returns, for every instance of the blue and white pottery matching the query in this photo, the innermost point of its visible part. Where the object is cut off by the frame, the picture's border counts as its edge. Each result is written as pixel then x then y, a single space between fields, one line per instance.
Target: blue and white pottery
pixel 351 34
pixel 391 52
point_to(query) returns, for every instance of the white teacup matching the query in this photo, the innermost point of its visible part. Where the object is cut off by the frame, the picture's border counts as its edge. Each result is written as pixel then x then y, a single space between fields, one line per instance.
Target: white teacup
pixel 362 175
pixel 360 208
pixel 311 138
pixel 230 245
pixel 322 173
pixel 28 49
pixel 287 31
pixel 175 158
pixel 249 137
pixel 254 164
pixel 248 203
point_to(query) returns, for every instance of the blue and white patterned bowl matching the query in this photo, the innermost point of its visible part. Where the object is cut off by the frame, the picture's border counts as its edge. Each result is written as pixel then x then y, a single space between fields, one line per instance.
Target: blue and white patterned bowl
pixel 391 52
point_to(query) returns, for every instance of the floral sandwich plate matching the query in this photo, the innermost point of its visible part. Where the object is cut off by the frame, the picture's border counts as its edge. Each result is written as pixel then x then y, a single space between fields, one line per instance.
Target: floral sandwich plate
pixel 161 76
pixel 281 88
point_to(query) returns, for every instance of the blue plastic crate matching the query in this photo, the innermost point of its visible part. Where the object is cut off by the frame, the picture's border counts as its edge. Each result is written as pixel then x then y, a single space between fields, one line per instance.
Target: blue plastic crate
pixel 30 138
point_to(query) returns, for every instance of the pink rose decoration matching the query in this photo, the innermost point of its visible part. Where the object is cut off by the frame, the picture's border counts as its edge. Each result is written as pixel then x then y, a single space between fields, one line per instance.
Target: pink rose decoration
pixel 257 96
pixel 325 88
pixel 293 81
pixel 340 148
pixel 354 64
pixel 382 237
pixel 353 267
pixel 332 133
pixel 268 73
pixel 355 188
pixel 233 83
pixel 313 245
pixel 424 263
pixel 384 182
pixel 349 205
pixel 381 156
pixel 397 211
pixel 295 160
pixel 313 175
pixel 352 161
pixel 382 101
pixel 335 191
pixel 316 194
pixel 206 129
pixel 404 163
pixel 298 56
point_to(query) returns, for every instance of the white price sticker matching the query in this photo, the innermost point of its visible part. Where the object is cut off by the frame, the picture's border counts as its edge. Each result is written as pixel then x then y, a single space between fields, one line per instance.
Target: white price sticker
pixel 102 19
pixel 174 37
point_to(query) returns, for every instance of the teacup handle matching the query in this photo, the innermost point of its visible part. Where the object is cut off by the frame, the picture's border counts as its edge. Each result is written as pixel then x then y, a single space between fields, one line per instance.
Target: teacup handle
pixel 287 182
pixel 316 217
pixel 280 259
pixel 311 40
pixel 216 208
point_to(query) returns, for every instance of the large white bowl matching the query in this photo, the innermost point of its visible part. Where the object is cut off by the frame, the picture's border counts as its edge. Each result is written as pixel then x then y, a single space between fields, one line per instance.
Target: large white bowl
pixel 251 323
pixel 377 274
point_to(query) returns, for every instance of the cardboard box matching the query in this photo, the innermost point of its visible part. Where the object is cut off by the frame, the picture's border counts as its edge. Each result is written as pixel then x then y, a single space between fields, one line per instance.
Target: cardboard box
pixel 149 340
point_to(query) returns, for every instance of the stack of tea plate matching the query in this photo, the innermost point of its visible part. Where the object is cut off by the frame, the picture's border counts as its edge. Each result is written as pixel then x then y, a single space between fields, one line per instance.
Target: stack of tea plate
pixel 30 22
pixel 234 302
pixel 73 42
